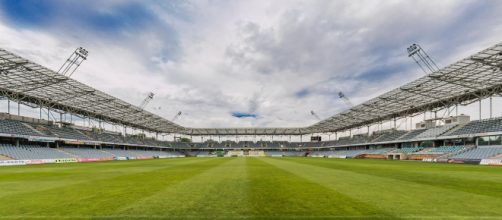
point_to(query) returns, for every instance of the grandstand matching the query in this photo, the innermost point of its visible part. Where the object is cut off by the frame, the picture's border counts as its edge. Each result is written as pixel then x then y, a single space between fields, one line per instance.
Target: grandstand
pixel 456 137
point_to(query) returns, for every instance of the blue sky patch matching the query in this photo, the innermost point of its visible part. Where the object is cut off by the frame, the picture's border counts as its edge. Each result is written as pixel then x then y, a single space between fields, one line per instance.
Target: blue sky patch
pixel 244 115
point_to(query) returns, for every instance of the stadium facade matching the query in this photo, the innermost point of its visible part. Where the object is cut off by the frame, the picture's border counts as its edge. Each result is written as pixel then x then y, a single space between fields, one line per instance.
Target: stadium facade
pixel 450 138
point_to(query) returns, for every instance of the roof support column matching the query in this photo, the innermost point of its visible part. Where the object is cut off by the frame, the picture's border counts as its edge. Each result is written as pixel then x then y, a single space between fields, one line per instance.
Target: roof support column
pixel 479 109
pixel 491 100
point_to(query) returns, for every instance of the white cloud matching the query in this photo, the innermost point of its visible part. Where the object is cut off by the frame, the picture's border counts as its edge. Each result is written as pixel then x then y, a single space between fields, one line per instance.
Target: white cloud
pixel 209 58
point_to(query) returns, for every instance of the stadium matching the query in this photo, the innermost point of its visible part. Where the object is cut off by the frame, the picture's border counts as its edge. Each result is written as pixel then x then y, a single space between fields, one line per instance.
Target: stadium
pixel 430 148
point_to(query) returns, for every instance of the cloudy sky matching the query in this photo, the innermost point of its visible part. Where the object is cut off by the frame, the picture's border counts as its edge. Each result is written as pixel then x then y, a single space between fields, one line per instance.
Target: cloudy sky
pixel 272 61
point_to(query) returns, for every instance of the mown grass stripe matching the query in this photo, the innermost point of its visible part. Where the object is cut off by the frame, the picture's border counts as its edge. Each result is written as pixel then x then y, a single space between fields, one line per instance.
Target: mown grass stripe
pixel 218 191
pixel 101 196
pixel 470 183
pixel 44 179
pixel 276 192
pixel 402 198
pixel 248 188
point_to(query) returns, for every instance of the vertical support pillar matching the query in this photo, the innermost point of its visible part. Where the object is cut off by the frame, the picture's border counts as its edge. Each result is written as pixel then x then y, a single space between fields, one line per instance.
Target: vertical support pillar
pixel 18 109
pixel 480 109
pixel 491 104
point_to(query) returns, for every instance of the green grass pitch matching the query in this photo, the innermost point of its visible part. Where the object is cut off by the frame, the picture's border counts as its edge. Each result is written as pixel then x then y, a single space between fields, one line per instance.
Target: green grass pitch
pixel 251 188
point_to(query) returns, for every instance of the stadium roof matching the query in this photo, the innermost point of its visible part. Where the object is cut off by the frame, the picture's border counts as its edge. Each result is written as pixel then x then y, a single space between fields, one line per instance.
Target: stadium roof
pixel 473 78
pixel 35 85
pixel 467 80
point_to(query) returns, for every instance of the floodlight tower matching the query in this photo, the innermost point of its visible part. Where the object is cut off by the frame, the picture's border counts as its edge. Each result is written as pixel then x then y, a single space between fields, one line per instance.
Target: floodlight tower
pixel 176 116
pixel 145 102
pixel 73 62
pixel 315 115
pixel 422 59
pixel 345 99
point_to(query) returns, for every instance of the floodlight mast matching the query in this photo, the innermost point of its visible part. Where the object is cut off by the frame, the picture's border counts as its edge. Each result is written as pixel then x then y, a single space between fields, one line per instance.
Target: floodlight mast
pixel 176 116
pixel 145 102
pixel 73 62
pixel 422 59
pixel 315 115
pixel 345 99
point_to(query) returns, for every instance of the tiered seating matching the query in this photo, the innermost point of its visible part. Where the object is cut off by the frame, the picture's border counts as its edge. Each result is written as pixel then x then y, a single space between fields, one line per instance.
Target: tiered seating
pixel 412 134
pixel 133 140
pixel 245 144
pixel 330 143
pixel 479 153
pixel 106 137
pixel 87 152
pixel 359 139
pixel 297 144
pixel 479 126
pixel 263 144
pixel 281 143
pixel 26 152
pixel 202 154
pixel 343 141
pixel 122 153
pixel 390 136
pixel 150 142
pixel 227 144
pixel 16 127
pixel 407 150
pixel 164 143
pixel 202 145
pixel 315 144
pixel 434 132
pixel 179 145
pixel 444 149
pixel 273 144
pixel 66 132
